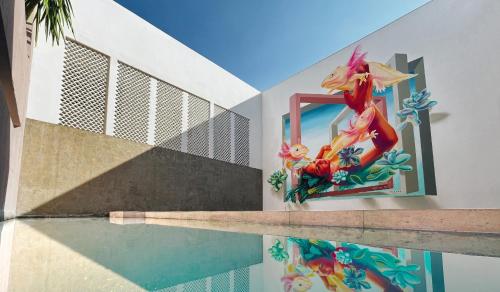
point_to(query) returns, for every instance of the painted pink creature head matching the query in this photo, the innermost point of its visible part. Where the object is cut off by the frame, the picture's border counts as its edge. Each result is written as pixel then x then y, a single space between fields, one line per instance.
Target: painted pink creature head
pixel 294 152
pixel 342 77
pixel 296 283
pixel 356 62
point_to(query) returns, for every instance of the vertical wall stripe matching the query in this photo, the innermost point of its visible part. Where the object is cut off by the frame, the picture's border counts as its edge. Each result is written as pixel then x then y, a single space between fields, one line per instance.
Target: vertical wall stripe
pixel 185 121
pixel 211 131
pixel 233 138
pixel 152 111
pixel 409 179
pixel 111 97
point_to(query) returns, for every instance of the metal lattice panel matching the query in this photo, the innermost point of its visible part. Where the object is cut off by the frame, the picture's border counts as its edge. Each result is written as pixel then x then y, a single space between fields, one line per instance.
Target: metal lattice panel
pixel 220 283
pixel 242 140
pixel 242 280
pixel 168 289
pixel 198 118
pixel 168 124
pixel 222 134
pixel 132 104
pixel 84 88
pixel 196 286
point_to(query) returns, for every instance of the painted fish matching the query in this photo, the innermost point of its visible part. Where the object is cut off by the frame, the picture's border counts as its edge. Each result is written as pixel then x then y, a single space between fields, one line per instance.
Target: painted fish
pixel 294 156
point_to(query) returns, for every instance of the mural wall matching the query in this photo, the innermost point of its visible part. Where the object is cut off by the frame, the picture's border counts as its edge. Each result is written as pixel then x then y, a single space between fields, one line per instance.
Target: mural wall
pixel 368 136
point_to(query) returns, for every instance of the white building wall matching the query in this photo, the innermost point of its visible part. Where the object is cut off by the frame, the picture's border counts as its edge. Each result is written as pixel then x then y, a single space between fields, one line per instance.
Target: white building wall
pixel 459 41
pixel 110 29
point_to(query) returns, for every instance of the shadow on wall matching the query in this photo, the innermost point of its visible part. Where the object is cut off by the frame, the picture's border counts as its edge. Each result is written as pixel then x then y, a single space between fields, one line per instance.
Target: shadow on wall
pixel 153 257
pixel 4 152
pixel 67 171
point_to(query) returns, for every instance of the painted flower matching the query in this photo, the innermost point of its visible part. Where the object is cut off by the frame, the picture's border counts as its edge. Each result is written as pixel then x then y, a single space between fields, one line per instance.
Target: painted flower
pixel 340 176
pixel 349 156
pixel 411 106
pixel 278 252
pixel 277 179
pixel 343 257
pixel 355 279
pixel 402 276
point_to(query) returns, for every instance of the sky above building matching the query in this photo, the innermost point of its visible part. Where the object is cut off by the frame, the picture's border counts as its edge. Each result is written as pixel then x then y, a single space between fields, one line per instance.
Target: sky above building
pixel 264 42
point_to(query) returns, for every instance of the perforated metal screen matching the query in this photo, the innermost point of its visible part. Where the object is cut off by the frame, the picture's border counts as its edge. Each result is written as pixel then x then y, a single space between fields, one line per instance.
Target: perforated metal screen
pixel 132 104
pixel 84 88
pixel 168 124
pixel 198 119
pixel 83 106
pixel 242 280
pixel 196 286
pixel 220 283
pixel 222 134
pixel 241 140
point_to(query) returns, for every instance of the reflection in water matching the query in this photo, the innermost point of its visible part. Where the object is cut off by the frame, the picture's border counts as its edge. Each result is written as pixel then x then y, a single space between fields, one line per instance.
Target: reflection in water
pixel 95 255
pixel 352 267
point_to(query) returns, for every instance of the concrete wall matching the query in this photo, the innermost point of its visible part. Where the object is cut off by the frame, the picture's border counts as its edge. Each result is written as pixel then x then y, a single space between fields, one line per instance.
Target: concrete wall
pixel 74 172
pixel 14 75
pixel 459 42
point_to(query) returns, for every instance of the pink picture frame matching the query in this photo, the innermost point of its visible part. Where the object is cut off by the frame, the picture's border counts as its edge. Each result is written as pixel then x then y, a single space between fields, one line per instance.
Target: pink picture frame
pixel 295 136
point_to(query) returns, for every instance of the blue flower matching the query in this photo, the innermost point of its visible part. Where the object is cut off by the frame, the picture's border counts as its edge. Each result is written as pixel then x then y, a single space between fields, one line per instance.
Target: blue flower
pixel 349 156
pixel 340 176
pixel 411 106
pixel 395 159
pixel 343 257
pixel 355 279
pixel 278 252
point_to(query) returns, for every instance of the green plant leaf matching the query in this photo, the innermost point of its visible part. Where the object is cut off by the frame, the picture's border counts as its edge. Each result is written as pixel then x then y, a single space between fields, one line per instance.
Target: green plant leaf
pixel 380 176
pixel 402 158
pixel 405 167
pixel 356 179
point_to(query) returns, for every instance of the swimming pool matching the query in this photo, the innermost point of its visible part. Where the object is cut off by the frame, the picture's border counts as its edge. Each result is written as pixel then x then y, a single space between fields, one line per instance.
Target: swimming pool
pixel 94 254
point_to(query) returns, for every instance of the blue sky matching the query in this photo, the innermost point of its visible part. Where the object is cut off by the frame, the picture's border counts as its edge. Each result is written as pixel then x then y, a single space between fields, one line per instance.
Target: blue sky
pixel 266 41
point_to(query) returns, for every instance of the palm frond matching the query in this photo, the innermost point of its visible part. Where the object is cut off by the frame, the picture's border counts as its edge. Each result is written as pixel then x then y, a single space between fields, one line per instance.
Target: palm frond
pixel 54 14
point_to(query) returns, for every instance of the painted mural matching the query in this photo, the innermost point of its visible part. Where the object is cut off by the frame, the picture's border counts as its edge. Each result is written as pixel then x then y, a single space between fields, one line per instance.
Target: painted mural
pixel 320 265
pixel 368 136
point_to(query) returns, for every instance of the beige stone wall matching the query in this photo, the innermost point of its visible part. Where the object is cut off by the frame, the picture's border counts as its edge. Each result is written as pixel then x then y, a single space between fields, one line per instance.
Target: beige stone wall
pixel 67 171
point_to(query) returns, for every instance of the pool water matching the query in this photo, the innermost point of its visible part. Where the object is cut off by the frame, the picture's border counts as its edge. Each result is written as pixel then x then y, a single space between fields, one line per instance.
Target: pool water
pixel 98 255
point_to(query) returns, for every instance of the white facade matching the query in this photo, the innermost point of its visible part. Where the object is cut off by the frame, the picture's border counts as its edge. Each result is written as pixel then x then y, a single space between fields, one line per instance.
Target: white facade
pixel 459 41
pixel 131 40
